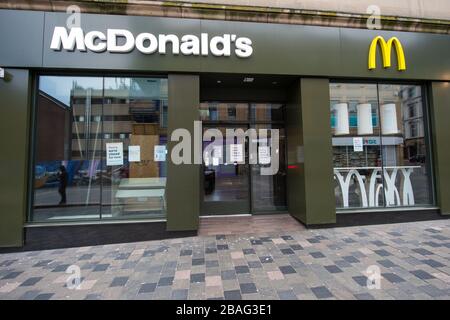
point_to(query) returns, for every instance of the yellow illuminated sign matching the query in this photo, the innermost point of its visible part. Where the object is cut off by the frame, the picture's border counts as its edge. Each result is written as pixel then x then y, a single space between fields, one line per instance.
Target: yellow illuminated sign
pixel 386 48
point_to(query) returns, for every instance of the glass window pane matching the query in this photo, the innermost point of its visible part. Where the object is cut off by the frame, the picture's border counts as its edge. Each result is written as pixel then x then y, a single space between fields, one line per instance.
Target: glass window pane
pixel 223 111
pixel 404 136
pixel 269 191
pixel 135 122
pixel 67 170
pixel 356 142
pixel 267 112
pixel 225 181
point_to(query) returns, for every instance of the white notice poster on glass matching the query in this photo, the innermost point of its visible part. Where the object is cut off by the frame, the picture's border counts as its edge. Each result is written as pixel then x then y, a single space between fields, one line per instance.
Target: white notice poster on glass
pixel 358 144
pixel 134 153
pixel 217 151
pixel 264 154
pixel 160 153
pixel 236 153
pixel 114 154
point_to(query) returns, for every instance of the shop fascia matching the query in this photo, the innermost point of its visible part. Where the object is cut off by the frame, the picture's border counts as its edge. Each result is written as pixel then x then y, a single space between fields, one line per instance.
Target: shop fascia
pixel 148 43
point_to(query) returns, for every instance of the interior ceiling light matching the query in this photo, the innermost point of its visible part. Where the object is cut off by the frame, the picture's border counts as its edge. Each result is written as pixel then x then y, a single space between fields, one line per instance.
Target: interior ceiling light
pixel 248 79
pixel 219 81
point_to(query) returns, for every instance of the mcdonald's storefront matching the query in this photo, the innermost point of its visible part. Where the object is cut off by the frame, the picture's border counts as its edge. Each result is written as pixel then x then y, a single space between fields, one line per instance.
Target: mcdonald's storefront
pixel 89 114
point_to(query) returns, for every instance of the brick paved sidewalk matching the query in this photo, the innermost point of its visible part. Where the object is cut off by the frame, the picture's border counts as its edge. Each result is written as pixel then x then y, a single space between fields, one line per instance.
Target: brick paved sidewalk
pixel 414 259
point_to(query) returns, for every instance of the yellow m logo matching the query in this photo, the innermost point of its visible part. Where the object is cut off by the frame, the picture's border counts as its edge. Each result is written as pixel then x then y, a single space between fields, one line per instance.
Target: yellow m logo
pixel 386 48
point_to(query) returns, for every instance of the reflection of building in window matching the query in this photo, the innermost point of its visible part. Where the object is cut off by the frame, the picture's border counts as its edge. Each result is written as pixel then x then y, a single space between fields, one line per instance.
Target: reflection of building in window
pixel 397 144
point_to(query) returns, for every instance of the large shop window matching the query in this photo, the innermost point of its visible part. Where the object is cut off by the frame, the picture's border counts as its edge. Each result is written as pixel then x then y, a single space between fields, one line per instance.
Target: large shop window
pixel 100 148
pixel 380 149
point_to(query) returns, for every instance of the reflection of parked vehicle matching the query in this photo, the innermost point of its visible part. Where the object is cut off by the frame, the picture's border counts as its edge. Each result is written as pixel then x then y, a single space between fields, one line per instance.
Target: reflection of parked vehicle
pixel 40 177
pixel 418 158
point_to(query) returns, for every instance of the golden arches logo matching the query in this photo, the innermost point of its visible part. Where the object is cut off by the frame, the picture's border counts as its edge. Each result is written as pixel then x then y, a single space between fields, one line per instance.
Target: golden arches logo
pixel 386 48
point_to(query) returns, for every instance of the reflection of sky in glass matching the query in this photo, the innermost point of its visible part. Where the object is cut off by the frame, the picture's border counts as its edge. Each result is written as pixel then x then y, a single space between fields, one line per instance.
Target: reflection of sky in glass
pixel 60 87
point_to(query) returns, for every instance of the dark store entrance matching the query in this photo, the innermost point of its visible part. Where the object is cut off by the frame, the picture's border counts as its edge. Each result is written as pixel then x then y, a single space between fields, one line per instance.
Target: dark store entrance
pixel 233 174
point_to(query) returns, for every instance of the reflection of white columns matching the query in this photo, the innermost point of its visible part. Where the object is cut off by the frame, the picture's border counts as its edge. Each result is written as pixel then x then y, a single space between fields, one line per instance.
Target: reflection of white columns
pixel 342 125
pixel 364 113
pixel 389 119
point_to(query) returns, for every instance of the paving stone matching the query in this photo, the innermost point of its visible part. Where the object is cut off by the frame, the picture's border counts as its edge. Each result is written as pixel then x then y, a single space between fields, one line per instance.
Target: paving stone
pixel 317 255
pixel 364 296
pixel 242 269
pixel 333 269
pixel 287 269
pixel 433 263
pixel 31 281
pixel 197 277
pixel 309 264
pixel 119 282
pixel 248 288
pixel 232 295
pixel 165 281
pixel 44 296
pixel 147 287
pixel 321 292
pixel 421 274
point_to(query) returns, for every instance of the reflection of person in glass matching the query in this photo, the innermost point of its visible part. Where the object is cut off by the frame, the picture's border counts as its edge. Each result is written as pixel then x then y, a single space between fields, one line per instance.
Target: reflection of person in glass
pixel 62 176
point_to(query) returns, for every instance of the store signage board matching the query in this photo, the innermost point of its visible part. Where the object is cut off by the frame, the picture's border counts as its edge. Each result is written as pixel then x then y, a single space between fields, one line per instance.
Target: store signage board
pixel 147 43
pixel 114 154
pixel 134 153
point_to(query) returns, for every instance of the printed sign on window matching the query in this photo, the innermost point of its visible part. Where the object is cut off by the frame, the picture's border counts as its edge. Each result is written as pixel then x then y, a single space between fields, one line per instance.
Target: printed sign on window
pixel 114 154
pixel 264 154
pixel 134 153
pixel 358 145
pixel 160 153
pixel 236 153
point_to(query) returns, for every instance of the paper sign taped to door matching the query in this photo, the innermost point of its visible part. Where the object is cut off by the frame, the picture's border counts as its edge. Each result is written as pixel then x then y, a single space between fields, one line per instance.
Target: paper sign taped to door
pixel 217 151
pixel 264 154
pixel 114 154
pixel 134 153
pixel 358 144
pixel 236 153
pixel 160 153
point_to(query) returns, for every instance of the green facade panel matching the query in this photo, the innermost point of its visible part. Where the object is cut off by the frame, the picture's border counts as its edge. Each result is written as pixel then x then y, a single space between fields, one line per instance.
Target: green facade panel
pixel 440 129
pixel 183 180
pixel 282 49
pixel 315 108
pixel 310 168
pixel 296 196
pixel 14 129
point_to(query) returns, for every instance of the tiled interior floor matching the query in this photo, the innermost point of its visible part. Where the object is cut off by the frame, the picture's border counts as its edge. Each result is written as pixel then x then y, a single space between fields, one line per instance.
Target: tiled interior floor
pixel 248 224
pixel 412 260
